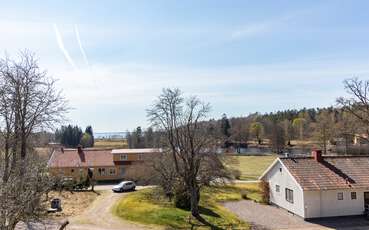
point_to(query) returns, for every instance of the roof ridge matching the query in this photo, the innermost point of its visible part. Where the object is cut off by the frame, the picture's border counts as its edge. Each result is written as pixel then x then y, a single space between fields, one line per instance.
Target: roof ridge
pixel 325 156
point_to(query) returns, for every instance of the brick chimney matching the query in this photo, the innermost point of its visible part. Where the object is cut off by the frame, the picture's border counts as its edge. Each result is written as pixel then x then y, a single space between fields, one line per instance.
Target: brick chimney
pixel 81 154
pixel 317 155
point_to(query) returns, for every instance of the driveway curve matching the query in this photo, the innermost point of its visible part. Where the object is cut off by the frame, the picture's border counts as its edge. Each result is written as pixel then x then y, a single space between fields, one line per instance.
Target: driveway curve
pixel 99 216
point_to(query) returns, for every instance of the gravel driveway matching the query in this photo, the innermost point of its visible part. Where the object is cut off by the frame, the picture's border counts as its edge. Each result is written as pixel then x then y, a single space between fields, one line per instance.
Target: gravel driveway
pixel 271 217
pixel 99 215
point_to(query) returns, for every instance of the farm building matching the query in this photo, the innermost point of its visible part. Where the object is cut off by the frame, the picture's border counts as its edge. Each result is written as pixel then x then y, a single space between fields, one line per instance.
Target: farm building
pixel 107 164
pixel 319 186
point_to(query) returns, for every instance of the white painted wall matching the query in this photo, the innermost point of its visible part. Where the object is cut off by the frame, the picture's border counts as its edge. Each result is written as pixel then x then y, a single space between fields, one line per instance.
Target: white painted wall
pixel 284 180
pixel 325 203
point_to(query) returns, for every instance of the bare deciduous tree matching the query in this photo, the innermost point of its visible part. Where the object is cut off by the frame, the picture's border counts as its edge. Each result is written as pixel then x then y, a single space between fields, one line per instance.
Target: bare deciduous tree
pixel 29 102
pixel 188 141
pixel 357 104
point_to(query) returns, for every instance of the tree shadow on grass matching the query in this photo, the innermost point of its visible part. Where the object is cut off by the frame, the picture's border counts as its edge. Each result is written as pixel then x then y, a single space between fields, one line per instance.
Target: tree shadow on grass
pixel 208 212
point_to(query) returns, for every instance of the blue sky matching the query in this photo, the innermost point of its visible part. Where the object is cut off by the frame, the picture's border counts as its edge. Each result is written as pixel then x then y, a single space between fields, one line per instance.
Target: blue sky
pixel 112 58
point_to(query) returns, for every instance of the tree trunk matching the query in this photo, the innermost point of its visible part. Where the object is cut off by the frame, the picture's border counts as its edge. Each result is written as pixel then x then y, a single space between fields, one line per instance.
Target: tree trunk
pixel 195 202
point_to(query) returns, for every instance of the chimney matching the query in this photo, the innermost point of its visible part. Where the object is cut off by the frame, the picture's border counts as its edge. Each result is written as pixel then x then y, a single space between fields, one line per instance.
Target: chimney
pixel 62 149
pixel 79 147
pixel 317 155
pixel 81 154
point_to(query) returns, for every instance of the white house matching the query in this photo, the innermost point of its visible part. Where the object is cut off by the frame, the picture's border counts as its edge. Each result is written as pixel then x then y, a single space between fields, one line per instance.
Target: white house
pixel 319 186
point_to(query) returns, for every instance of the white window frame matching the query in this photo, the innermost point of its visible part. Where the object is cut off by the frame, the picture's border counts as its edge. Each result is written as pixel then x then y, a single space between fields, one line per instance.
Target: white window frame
pixel 101 171
pixel 277 188
pixel 340 196
pixel 112 171
pixel 124 157
pixel 289 195
pixel 353 197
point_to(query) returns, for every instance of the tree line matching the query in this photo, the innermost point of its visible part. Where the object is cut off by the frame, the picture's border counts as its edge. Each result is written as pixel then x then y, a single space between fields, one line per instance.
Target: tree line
pixel 72 136
pixel 319 125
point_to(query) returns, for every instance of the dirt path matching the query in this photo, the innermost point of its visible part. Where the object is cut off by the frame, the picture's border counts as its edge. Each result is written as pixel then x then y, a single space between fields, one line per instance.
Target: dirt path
pixel 99 215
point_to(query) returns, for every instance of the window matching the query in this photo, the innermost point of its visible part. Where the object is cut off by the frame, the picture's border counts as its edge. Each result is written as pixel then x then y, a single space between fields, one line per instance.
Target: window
pixel 72 170
pixel 123 157
pixel 140 157
pixel 340 196
pixel 101 171
pixel 353 195
pixel 277 188
pixel 280 169
pixel 289 195
pixel 112 171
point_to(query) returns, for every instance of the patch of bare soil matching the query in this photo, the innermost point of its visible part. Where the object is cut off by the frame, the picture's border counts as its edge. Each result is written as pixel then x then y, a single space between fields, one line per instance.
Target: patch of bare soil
pixel 73 203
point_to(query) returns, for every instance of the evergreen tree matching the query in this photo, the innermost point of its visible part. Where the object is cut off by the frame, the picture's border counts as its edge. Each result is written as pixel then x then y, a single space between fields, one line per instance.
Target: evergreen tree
pixel 91 133
pixel 69 136
pixel 225 126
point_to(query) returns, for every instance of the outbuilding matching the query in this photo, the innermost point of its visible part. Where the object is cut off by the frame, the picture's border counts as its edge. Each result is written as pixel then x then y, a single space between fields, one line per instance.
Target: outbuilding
pixel 319 186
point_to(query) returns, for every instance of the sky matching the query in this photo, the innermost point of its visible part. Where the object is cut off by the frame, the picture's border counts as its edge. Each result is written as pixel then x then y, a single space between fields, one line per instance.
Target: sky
pixel 113 58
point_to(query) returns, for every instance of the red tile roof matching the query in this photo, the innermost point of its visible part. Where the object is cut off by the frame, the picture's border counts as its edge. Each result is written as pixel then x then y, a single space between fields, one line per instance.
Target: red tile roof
pixel 334 172
pixel 89 158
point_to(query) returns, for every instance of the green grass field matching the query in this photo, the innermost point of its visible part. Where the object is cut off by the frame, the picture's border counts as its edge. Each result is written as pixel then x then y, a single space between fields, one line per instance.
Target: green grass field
pixel 251 167
pixel 147 206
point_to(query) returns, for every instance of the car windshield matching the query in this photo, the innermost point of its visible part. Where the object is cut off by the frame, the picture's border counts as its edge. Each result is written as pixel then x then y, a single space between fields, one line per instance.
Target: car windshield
pixel 124 182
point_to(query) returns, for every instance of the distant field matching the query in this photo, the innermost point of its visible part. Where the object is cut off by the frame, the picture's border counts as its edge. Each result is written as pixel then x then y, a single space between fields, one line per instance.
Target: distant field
pixel 106 143
pixel 251 167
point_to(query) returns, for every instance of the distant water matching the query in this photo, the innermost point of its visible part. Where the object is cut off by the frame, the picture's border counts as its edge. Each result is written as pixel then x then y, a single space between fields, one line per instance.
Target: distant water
pixel 110 135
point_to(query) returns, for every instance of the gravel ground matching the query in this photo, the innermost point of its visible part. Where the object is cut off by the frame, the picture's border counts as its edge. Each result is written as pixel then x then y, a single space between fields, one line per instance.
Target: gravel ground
pixel 267 217
pixel 99 215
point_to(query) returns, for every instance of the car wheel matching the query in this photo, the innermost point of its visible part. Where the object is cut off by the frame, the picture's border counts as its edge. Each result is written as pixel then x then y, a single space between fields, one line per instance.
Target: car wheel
pixel 121 190
pixel 134 188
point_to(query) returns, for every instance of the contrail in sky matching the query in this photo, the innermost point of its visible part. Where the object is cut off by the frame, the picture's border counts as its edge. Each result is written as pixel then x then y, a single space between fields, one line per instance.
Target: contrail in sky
pixel 80 44
pixel 59 39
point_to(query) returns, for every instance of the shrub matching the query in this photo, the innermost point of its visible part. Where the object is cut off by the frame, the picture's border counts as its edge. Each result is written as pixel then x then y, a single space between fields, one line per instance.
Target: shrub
pixel 264 187
pixel 236 174
pixel 244 194
pixel 182 200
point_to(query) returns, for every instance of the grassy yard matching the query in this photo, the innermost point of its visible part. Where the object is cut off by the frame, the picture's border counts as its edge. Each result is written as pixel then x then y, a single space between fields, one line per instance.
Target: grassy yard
pixel 251 167
pixel 110 143
pixel 149 207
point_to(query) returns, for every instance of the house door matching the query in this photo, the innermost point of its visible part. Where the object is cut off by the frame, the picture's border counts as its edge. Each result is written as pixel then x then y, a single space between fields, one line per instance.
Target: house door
pixel 366 199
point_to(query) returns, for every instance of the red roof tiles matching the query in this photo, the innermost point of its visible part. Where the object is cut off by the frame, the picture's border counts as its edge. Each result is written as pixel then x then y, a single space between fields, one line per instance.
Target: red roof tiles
pixel 338 172
pixel 89 158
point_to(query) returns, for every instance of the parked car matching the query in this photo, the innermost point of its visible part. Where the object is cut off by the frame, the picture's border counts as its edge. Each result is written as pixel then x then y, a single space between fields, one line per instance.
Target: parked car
pixel 124 186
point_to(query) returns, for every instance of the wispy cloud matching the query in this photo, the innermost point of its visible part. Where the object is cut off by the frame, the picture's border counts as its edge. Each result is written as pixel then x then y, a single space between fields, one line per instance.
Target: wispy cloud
pixel 251 30
pixel 80 44
pixel 60 42
pixel 263 27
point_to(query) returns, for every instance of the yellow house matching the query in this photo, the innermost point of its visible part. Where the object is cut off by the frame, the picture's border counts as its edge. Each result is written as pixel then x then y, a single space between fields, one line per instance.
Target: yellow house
pixel 106 164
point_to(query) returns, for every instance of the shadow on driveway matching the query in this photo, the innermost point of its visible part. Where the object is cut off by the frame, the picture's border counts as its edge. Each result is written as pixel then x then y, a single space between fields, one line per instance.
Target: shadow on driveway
pixel 271 217
pixel 345 222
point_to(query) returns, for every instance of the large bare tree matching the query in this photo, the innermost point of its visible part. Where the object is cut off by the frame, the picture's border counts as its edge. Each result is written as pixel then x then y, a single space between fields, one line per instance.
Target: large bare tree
pixel 189 141
pixel 357 102
pixel 29 102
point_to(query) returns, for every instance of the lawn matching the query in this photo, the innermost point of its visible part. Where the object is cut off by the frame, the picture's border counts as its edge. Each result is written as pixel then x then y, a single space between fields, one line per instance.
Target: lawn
pixel 110 143
pixel 148 206
pixel 251 167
